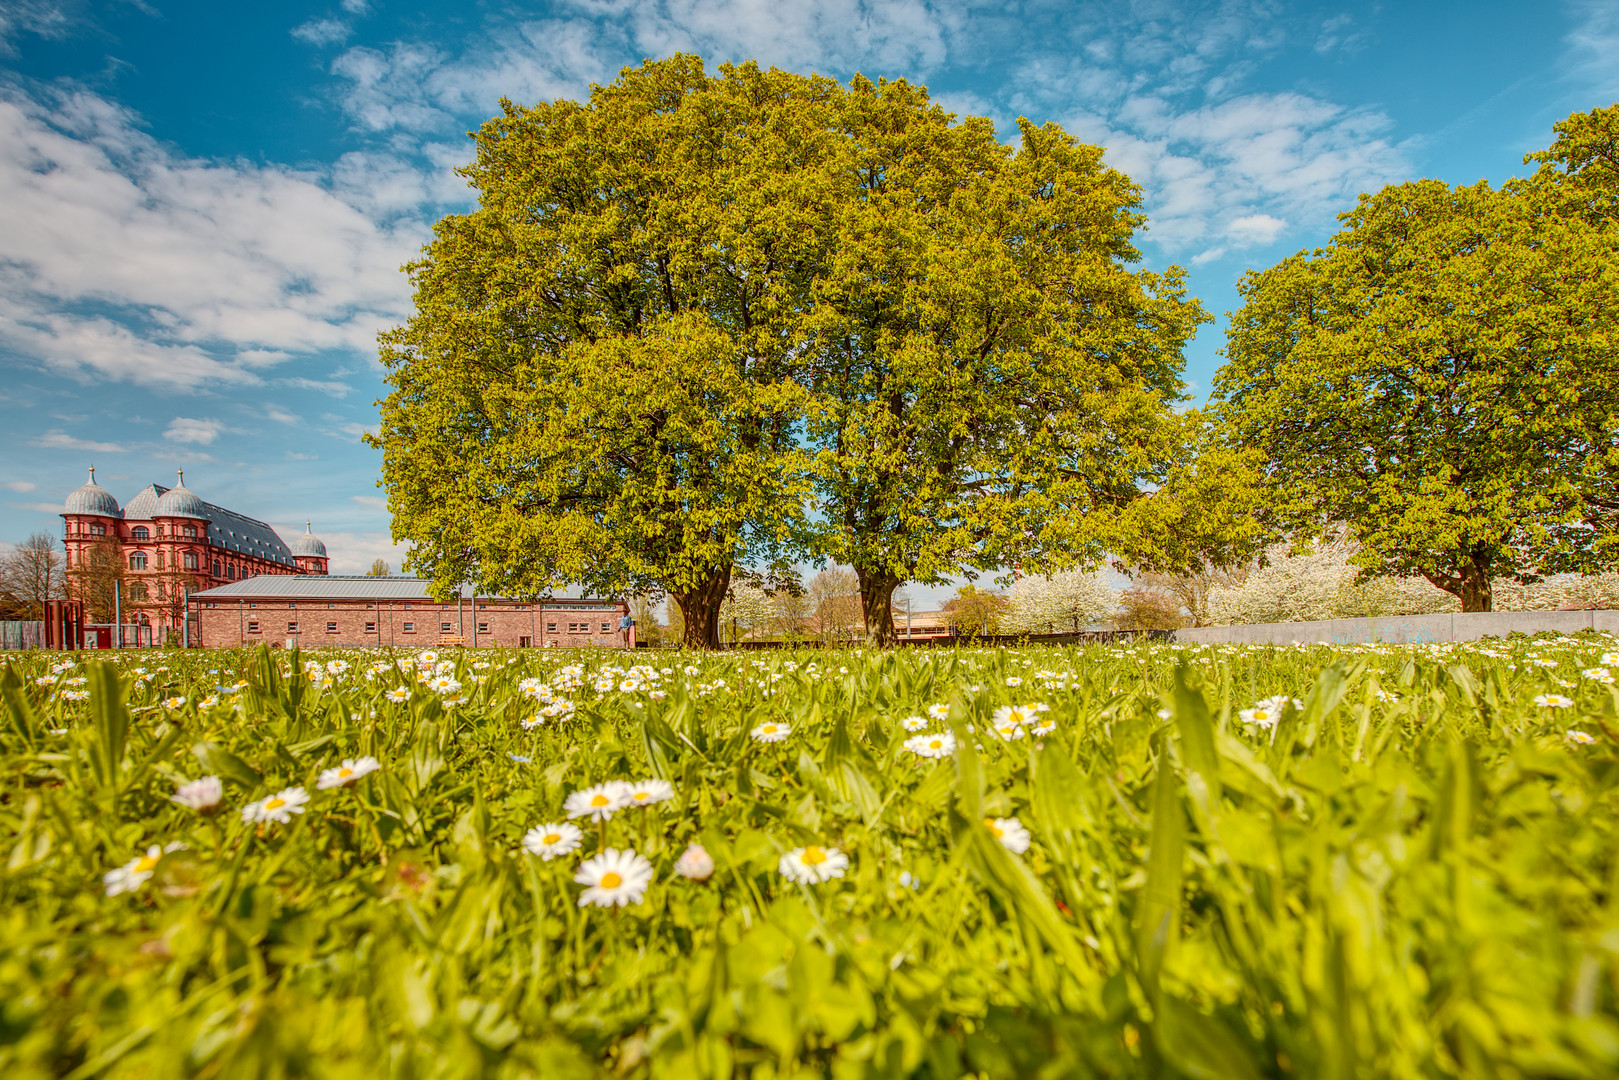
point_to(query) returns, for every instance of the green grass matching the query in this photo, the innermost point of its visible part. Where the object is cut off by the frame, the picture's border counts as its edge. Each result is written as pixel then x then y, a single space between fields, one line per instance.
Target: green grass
pixel 1412 875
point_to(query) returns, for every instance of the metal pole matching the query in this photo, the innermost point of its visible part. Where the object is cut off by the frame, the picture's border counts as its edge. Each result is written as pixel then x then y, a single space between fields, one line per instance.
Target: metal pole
pixel 460 619
pixel 117 614
pixel 185 622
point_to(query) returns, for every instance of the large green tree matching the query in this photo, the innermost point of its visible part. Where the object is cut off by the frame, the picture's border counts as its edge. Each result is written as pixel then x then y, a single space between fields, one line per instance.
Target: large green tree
pixel 994 382
pixel 1439 378
pixel 595 385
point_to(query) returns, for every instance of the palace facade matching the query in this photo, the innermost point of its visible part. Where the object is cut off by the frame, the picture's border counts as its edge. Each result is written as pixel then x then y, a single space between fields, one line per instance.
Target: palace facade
pixel 163 545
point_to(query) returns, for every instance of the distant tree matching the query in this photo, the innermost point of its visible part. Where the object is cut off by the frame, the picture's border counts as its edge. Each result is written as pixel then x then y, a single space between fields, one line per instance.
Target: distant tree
pixel 1192 587
pixel 1144 608
pixel 1440 378
pixel 974 611
pixel 31 573
pixel 644 610
pixel 1066 601
pixel 96 579
pixel 1320 583
pixel 834 602
pixel 747 610
pixel 379 568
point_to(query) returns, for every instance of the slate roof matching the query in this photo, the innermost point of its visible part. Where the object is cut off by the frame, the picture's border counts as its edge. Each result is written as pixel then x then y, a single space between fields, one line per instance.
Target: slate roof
pixel 227 530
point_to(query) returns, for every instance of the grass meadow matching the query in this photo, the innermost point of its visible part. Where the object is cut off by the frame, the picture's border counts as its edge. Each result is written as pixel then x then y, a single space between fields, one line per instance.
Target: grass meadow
pixel 1143 860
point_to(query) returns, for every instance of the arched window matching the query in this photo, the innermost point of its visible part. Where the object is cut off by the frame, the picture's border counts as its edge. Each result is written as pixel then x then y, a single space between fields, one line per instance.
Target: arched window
pixel 218 571
pixel 230 571
pixel 140 532
pixel 137 590
pixel 137 561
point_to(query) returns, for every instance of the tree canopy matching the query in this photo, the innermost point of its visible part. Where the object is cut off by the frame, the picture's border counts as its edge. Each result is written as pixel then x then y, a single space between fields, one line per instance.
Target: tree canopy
pixel 1441 379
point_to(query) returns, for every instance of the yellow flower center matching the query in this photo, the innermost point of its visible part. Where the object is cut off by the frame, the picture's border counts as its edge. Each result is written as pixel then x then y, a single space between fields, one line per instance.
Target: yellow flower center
pixel 274 804
pixel 611 880
pixel 1016 717
pixel 936 744
pixel 600 800
pixel 995 830
pixel 550 838
pixel 770 729
pixel 146 863
pixel 813 856
pixel 345 772
pixel 1261 714
pixel 640 795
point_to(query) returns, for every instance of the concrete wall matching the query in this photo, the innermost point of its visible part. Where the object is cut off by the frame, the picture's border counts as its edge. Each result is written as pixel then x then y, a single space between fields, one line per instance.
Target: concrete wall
pixel 1406 628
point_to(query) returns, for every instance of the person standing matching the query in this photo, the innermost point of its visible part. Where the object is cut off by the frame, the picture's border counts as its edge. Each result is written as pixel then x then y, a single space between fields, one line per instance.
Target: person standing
pixel 626 630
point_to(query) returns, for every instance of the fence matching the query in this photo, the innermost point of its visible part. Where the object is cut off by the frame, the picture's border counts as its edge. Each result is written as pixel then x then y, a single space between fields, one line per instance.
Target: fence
pixel 1408 629
pixel 18 634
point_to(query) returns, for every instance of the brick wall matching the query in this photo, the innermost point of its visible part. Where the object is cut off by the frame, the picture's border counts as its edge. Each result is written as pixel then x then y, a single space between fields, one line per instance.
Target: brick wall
pixel 229 623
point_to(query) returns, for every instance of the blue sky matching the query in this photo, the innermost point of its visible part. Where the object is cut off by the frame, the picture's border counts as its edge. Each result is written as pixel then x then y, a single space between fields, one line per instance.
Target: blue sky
pixel 205 205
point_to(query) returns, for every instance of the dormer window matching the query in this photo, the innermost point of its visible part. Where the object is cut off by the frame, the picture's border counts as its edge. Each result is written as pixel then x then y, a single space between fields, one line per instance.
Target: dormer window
pixel 141 532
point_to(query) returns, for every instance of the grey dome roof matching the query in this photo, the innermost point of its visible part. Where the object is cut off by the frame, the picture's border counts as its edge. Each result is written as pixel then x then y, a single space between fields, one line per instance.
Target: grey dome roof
pixel 92 498
pixel 178 501
pixel 308 545
pixel 144 504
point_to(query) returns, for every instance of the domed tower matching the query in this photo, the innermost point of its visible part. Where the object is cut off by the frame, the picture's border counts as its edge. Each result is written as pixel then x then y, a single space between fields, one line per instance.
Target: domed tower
pixel 90 514
pixel 309 552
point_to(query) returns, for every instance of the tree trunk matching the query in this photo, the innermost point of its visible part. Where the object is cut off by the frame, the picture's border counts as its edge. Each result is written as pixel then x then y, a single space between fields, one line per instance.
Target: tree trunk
pixel 876 589
pixel 1475 593
pixel 700 609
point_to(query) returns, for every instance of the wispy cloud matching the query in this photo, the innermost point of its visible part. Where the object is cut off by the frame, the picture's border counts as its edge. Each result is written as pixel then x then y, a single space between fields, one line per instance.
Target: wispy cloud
pixel 185 429
pixel 370 502
pixel 61 440
pixel 280 415
pixel 321 32
pixel 331 387
pixel 18 485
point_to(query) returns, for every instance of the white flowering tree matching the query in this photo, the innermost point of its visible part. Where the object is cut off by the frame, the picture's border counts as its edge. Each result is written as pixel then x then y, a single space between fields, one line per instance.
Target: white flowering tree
pixel 1065 601
pixel 746 608
pixel 1319 585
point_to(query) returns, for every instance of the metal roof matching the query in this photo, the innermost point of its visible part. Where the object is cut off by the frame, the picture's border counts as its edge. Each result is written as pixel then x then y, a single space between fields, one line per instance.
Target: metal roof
pixel 329 587
pixel 227 530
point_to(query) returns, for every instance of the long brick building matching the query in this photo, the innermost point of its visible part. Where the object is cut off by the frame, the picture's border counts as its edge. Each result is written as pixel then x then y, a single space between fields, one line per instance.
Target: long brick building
pixel 163 544
pixel 391 612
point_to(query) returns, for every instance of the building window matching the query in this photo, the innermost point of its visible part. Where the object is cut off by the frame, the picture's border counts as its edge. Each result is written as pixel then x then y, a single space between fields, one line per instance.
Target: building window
pixel 252 605
pixel 137 590
pixel 292 605
pixel 444 627
pixel 410 628
pixel 607 628
pixel 191 560
pixel 407 607
pixel 331 628
pixel 292 627
pixel 230 572
pixel 483 628
pixel 137 561
pixel 331 605
pixel 140 532
pixel 550 628
pixel 161 561
pixel 370 627
pixel 97 529
pixel 573 628
pixel 218 569
pixel 252 626
pixel 191 531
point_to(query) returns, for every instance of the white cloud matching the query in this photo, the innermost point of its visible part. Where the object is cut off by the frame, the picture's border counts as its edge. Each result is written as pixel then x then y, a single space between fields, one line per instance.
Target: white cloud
pixel 1255 229
pixel 18 485
pixel 331 388
pixel 352 552
pixel 318 32
pixel 123 260
pixel 185 429
pixel 1594 48
pixel 61 440
pixel 39 507
pixel 280 415
pixel 370 502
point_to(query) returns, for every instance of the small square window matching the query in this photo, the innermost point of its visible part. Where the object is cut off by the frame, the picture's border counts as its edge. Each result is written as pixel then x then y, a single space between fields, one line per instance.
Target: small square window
pixel 607 628
pixel 252 626
pixel 331 628
pixel 292 628
pixel 483 628
pixel 407 607
pixel 331 605
pixel 410 628
pixel 370 627
pixel 252 605
pixel 550 628
pixel 444 627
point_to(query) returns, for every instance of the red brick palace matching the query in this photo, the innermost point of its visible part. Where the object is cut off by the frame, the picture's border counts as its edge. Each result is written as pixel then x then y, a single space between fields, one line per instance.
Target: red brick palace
pixel 167 542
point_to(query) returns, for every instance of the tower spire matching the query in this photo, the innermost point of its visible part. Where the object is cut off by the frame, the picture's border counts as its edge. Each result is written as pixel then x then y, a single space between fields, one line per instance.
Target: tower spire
pixel 182 478
pixel 92 473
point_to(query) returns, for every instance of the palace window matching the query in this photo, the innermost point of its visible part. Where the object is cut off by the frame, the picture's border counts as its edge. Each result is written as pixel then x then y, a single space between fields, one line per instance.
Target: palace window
pixel 191 530
pixel 161 561
pixel 137 590
pixel 97 529
pixel 230 572
pixel 137 561
pixel 141 532
pixel 191 560
pixel 219 570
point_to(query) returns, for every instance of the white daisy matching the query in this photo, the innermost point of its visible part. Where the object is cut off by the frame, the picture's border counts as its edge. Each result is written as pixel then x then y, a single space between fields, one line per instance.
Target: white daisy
pixel 648 792
pixel 1553 701
pixel 1013 714
pixel 914 723
pixel 771 732
pixel 932 746
pixel 614 878
pixel 1013 680
pixel 813 865
pixel 202 795
pixel 347 774
pixel 695 864
pixel 938 710
pixel 597 803
pixel 173 702
pixel 137 871
pixel 398 695
pixel 1010 832
pixel 1575 735
pixel 1598 674
pixel 550 840
pixel 1008 731
pixel 278 807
